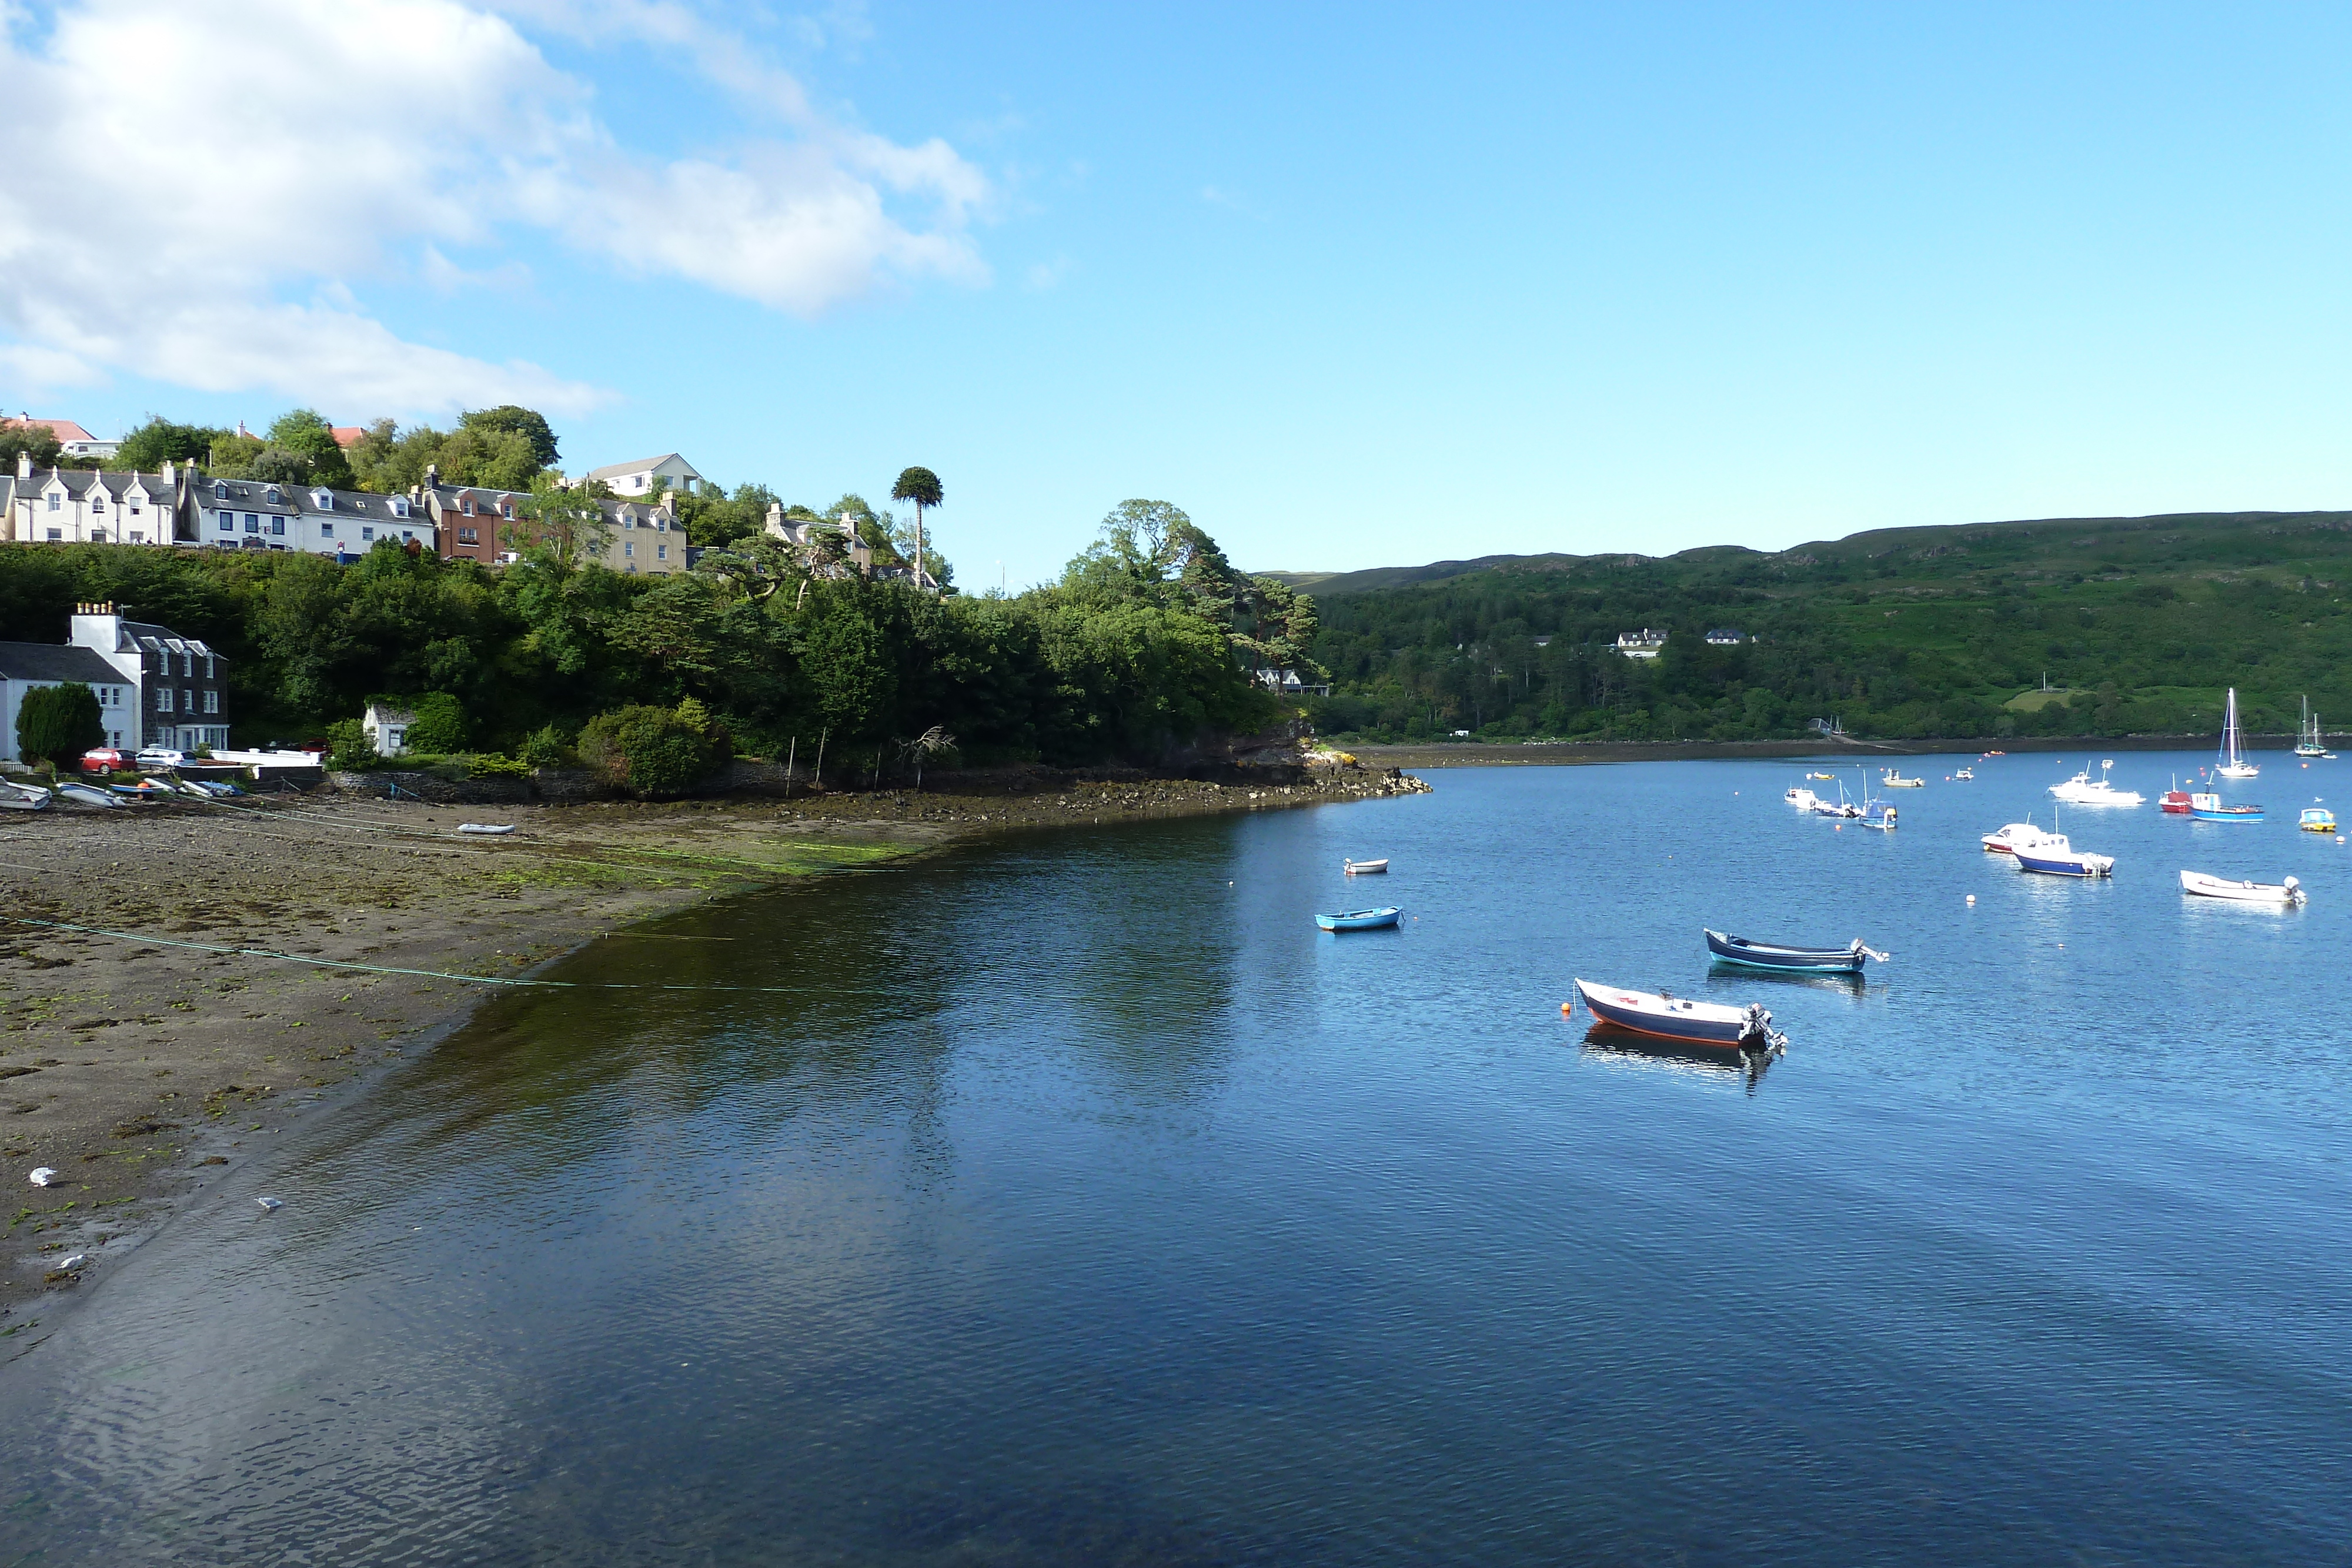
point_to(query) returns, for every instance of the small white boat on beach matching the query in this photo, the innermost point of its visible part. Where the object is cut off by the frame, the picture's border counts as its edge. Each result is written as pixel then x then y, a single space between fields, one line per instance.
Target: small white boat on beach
pixel 16 797
pixel 2285 895
pixel 2085 790
pixel 488 829
pixel 89 795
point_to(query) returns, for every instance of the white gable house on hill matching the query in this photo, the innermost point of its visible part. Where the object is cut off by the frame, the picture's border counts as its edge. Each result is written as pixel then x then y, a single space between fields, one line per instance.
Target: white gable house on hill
pixel 649 475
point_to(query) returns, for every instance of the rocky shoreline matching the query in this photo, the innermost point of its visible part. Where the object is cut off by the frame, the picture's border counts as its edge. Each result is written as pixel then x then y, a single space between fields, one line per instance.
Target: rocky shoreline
pixel 182 983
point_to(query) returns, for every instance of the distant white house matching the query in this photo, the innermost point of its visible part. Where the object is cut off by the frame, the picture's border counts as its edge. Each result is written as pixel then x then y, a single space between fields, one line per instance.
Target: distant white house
pixel 647 475
pixel 72 437
pixel 1285 683
pixel 1642 644
pixel 387 728
pixel 1728 637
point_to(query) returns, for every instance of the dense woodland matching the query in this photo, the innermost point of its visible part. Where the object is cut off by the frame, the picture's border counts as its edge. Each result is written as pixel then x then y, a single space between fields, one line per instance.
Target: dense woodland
pixel 1145 648
pixel 2140 622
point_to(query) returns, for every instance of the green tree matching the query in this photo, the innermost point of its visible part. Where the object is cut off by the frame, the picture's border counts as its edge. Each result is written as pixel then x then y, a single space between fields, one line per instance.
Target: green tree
pixel 921 486
pixel 39 440
pixel 159 441
pixel 511 420
pixel 438 726
pixel 305 434
pixel 564 529
pixel 59 723
pixel 653 753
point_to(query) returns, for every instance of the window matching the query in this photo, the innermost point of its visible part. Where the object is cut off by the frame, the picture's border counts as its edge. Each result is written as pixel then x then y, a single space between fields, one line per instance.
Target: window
pixel 56 535
pixel 134 508
pixel 187 663
pixel 661 552
pixel 138 536
pixel 467 537
pixel 162 699
pixel 208 668
pixel 98 502
pixel 229 522
pixel 54 499
pixel 277 525
pixel 326 530
pixel 220 491
pixel 276 497
pixel 630 548
pixel 212 701
pixel 407 535
pixel 367 534
pixel 324 499
pixel 252 523
pixel 187 702
pixel 467 506
pixel 400 506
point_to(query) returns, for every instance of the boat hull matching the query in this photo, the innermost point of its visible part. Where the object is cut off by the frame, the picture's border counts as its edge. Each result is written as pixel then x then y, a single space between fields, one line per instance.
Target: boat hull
pixel 2227 813
pixel 1740 950
pixel 1663 1017
pixel 1360 920
pixel 1365 868
pixel 2050 864
pixel 2277 894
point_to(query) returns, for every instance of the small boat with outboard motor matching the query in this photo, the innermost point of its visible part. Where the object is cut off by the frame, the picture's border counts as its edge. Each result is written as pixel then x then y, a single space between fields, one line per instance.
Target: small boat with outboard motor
pixel 2316 820
pixel 1365 868
pixel 2206 807
pixel 1804 799
pixel 2174 800
pixel 2287 894
pixel 2085 790
pixel 1669 1017
pixel 1786 959
pixel 1360 919
pixel 1966 773
pixel 1892 779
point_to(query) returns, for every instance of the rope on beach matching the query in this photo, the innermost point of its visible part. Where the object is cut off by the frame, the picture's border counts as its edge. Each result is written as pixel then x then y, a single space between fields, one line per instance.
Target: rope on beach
pixel 429 974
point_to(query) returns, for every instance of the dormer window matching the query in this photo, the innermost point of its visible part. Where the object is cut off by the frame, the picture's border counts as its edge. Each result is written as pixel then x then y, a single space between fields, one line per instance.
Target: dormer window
pixel 98 502
pixel 467 506
pixel 400 506
pixel 220 491
pixel 276 500
pixel 507 510
pixel 323 500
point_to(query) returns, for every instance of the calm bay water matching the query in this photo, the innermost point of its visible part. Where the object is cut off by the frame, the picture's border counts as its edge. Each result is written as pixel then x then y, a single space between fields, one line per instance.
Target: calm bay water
pixel 1085 1204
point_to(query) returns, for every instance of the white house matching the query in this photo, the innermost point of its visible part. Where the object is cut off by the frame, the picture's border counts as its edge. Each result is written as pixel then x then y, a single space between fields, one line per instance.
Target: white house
pixel 254 514
pixel 26 666
pixel 1726 636
pixel 1642 644
pixel 81 505
pixel 649 475
pixel 72 437
pixel 387 728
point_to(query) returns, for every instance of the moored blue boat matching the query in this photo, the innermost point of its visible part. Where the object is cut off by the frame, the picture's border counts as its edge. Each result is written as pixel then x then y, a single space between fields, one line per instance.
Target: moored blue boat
pixel 1360 919
pixel 2053 856
pixel 1847 960
pixel 2205 807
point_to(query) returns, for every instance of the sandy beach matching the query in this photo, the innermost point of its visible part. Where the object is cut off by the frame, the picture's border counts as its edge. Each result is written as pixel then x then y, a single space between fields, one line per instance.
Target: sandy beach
pixel 179 984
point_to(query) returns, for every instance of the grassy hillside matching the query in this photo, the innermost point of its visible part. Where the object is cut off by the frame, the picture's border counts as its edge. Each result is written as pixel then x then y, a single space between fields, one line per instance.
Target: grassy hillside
pixel 2141 622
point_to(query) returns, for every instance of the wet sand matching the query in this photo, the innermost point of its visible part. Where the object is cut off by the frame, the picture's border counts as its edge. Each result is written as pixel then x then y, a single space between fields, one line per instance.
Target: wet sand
pixel 144 1047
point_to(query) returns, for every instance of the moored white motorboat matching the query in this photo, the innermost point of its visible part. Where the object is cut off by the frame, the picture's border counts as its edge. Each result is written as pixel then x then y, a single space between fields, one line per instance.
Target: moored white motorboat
pixel 2006 841
pixel 1966 773
pixel 1804 799
pixel 1892 779
pixel 2286 894
pixel 2084 790
pixel 2052 855
pixel 1365 868
pixel 1670 1017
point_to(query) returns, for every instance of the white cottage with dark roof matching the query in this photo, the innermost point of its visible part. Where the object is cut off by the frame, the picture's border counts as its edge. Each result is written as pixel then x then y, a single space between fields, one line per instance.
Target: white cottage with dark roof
pixel 154 687
pixel 81 505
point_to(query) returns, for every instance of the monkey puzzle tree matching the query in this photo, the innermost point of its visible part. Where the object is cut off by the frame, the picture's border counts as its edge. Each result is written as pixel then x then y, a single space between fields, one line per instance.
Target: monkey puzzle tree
pixel 921 486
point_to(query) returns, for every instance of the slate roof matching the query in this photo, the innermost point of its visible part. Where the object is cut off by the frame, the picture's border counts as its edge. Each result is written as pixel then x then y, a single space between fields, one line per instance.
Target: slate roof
pixel 49 662
pixel 639 467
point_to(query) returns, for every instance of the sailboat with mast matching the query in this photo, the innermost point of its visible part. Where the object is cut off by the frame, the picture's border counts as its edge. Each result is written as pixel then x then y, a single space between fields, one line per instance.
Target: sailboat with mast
pixel 2233 758
pixel 2308 742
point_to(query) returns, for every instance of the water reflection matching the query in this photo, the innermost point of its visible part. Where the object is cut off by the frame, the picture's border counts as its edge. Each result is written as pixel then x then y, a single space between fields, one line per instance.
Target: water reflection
pixel 1606 1042
pixel 1723 973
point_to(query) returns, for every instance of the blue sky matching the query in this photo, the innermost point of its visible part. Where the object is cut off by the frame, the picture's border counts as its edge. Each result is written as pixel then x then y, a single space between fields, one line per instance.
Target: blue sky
pixel 1354 286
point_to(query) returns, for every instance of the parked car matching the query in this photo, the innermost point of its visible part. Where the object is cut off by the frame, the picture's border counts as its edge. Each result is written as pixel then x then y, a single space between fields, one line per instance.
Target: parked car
pixel 156 756
pixel 101 759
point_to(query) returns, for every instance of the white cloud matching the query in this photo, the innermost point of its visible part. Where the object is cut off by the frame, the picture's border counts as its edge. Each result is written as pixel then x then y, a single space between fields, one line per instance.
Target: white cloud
pixel 195 184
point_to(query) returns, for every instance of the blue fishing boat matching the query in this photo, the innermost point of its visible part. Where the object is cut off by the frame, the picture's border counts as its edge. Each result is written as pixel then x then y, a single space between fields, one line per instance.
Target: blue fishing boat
pixel 1847 960
pixel 1360 919
pixel 2204 806
pixel 1670 1017
pixel 2053 856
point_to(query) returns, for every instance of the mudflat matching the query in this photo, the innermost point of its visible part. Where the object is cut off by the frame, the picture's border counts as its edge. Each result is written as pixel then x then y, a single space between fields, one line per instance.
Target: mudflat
pixel 180 982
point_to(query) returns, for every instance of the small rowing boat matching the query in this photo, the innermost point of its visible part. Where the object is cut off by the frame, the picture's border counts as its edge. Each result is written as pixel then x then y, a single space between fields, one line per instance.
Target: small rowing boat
pixel 1365 868
pixel 488 829
pixel 2286 894
pixel 1755 955
pixel 86 794
pixel 1360 919
pixel 15 800
pixel 1669 1017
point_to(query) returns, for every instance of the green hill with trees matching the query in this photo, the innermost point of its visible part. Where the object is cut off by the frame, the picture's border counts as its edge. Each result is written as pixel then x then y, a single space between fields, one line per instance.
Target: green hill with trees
pixel 2140 622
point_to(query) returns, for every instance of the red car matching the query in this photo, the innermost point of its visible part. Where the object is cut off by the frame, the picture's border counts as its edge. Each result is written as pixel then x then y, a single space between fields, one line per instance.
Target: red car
pixel 102 760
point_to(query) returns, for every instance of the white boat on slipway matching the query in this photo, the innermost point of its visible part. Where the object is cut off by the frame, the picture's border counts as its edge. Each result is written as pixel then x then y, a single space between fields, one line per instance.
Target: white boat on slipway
pixel 2084 790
